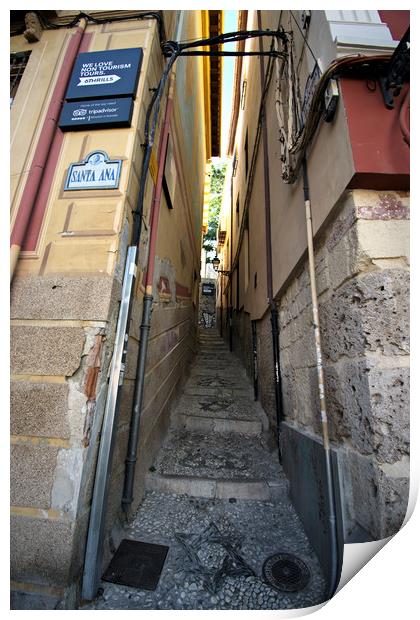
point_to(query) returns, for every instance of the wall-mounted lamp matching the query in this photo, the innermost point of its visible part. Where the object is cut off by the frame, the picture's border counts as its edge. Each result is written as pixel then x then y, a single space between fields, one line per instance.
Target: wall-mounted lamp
pixel 216 263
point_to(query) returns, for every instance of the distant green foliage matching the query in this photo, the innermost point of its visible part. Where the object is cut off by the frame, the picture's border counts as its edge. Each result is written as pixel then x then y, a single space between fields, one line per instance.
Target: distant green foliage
pixel 217 182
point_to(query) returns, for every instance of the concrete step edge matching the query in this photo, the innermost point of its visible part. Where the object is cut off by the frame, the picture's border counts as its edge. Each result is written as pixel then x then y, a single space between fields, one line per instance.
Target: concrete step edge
pixel 273 490
pixel 241 426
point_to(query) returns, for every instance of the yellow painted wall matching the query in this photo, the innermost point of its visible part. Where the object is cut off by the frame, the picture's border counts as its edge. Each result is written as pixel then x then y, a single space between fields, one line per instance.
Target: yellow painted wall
pixel 80 254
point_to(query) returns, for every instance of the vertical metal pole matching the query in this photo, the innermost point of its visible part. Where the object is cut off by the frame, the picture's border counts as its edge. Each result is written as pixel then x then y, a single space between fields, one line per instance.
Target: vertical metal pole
pixel 131 459
pixel 255 358
pixel 230 269
pixel 321 388
pixel 93 559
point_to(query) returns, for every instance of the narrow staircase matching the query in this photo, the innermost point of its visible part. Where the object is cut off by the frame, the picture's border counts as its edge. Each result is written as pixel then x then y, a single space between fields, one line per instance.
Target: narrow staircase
pixel 216 446
pixel 218 498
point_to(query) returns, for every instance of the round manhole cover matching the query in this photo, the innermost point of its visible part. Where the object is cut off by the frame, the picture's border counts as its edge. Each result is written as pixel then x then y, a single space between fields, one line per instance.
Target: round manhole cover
pixel 286 572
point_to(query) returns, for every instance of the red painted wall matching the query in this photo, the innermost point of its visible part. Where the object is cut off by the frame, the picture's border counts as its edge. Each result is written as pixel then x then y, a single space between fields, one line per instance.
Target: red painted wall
pixel 397 21
pixel 380 154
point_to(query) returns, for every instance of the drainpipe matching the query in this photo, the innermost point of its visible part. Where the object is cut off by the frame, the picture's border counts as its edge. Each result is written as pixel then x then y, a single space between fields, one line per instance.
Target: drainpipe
pixel 230 311
pixel 42 151
pixel 269 260
pixel 221 305
pixel 133 439
pixel 255 358
pixel 332 516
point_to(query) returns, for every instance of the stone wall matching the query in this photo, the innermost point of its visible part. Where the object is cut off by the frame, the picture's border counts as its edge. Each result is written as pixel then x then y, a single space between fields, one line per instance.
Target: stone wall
pixel 362 270
pixel 266 384
pixel 61 345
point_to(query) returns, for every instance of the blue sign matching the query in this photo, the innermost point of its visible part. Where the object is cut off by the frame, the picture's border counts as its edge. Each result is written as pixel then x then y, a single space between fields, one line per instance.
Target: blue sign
pixel 96 171
pixel 96 113
pixel 111 73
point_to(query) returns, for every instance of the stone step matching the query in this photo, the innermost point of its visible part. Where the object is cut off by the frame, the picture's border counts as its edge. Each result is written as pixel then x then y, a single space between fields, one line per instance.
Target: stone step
pixel 214 350
pixel 215 338
pixel 218 456
pixel 215 362
pixel 231 372
pixel 214 407
pixel 217 425
pixel 217 380
pixel 192 389
pixel 262 490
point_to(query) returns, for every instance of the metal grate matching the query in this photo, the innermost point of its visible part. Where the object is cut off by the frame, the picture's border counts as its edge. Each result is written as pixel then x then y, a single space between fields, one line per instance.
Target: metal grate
pixel 18 62
pixel 286 572
pixel 137 564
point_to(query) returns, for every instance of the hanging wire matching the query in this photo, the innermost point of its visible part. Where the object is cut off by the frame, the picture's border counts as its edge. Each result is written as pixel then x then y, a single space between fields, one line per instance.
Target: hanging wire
pixel 48 25
pixel 172 50
pixel 304 37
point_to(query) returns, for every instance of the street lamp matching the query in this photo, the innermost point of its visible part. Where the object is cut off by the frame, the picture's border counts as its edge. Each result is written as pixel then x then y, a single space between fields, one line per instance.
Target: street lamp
pixel 216 263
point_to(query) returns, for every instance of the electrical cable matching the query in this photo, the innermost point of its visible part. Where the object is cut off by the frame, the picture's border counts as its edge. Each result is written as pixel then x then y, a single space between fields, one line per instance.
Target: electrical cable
pixel 48 25
pixel 174 49
pixel 339 67
pixel 303 37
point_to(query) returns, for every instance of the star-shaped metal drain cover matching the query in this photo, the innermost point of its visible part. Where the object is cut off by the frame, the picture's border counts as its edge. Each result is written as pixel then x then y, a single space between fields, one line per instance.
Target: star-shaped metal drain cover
pixel 211 556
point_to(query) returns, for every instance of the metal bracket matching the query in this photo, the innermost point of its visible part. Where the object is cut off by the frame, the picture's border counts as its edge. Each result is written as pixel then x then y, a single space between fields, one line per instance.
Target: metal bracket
pixel 398 72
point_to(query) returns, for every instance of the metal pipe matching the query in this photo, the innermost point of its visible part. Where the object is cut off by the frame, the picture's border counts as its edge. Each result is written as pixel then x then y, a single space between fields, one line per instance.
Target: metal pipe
pixel 131 459
pixel 43 149
pixel 332 515
pixel 255 357
pixel 221 305
pixel 93 553
pixel 269 259
pixel 230 269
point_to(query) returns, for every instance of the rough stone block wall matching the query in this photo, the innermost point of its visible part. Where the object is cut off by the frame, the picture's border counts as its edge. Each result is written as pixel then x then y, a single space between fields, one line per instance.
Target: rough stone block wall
pixel 61 341
pixel 266 385
pixel 362 270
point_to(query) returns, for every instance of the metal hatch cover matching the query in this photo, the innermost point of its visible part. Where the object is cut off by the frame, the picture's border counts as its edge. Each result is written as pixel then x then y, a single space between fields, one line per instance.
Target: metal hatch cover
pixel 137 564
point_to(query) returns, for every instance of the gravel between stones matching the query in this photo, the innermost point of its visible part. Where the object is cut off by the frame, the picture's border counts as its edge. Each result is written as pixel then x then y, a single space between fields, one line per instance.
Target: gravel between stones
pixel 256 529
pixel 217 547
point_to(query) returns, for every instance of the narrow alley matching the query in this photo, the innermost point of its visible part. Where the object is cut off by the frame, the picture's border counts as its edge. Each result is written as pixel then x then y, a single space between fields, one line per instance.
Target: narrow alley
pixel 218 498
pixel 209 304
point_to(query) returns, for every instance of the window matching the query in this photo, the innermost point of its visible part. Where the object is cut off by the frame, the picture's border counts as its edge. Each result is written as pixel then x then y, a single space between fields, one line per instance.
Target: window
pixel 18 62
pixel 237 210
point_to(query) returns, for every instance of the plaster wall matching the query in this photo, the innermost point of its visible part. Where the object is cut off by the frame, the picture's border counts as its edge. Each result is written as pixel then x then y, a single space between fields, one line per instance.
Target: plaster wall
pixel 65 300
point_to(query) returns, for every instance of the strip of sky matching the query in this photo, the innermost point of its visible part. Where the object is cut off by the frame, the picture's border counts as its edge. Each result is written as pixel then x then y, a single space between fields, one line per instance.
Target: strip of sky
pixel 228 64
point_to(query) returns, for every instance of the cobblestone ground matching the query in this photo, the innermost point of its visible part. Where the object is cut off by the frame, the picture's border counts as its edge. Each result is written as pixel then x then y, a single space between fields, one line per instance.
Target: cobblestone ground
pixel 218 499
